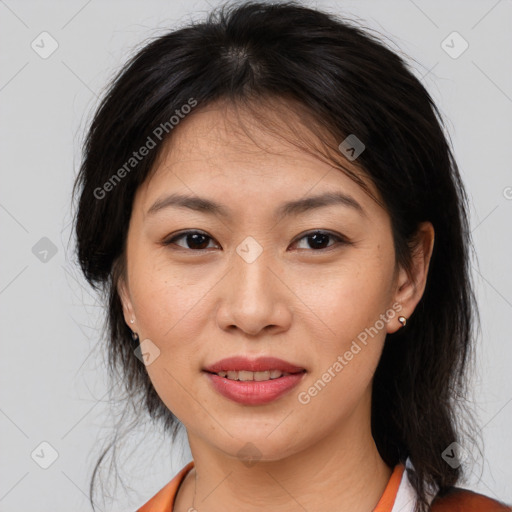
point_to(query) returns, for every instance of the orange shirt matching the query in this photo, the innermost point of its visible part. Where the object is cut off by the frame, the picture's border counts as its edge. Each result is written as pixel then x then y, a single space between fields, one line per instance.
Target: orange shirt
pixel 397 496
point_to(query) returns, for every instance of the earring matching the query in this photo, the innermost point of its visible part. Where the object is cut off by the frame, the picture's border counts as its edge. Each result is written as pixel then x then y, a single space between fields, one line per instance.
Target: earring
pixel 402 320
pixel 132 320
pixel 135 339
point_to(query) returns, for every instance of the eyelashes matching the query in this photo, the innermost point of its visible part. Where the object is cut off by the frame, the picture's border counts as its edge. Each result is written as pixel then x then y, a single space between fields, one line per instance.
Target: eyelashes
pixel 199 241
pixel 197 236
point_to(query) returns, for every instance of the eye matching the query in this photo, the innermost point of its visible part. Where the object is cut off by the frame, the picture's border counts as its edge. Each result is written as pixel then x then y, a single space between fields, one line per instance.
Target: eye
pixel 194 239
pixel 198 241
pixel 317 240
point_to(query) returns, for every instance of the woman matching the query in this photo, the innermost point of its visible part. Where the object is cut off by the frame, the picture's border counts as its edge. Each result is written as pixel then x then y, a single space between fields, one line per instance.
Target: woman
pixel 270 204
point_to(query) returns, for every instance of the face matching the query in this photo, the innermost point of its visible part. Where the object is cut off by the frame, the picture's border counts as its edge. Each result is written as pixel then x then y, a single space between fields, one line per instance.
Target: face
pixel 305 285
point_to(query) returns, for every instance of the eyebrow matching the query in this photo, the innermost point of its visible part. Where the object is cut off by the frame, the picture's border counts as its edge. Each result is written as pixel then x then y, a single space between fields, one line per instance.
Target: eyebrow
pixel 290 208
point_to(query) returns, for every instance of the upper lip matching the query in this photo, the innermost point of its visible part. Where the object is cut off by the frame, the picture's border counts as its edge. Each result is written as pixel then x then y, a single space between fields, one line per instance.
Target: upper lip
pixel 261 364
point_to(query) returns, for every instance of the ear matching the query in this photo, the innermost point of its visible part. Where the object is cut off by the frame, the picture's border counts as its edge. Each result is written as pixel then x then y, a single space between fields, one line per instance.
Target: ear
pixel 124 295
pixel 410 288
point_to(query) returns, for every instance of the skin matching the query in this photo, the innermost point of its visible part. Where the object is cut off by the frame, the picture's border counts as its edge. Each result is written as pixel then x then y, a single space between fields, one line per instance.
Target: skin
pixel 296 302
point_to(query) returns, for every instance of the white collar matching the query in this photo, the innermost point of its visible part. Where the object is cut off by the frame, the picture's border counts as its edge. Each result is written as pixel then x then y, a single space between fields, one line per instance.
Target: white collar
pixel 406 495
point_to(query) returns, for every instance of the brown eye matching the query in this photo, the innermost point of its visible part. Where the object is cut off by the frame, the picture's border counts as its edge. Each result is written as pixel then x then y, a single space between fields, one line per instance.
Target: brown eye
pixel 194 240
pixel 319 240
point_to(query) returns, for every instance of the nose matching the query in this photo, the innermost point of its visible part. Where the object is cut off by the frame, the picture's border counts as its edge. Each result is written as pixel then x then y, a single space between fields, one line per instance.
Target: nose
pixel 253 298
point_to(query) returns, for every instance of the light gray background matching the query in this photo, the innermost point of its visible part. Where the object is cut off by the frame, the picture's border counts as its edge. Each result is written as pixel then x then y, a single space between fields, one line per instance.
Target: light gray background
pixel 53 386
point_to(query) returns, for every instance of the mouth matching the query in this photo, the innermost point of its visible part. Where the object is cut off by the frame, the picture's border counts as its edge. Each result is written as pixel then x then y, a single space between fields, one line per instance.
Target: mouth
pixel 247 376
pixel 254 382
pixel 258 367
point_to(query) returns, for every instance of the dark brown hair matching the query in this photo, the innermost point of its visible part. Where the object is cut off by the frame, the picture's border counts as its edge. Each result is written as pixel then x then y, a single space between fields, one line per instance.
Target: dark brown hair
pixel 349 82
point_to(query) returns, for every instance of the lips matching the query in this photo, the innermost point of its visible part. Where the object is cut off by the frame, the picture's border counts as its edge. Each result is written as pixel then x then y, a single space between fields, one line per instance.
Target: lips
pixel 252 392
pixel 261 364
pixel 254 381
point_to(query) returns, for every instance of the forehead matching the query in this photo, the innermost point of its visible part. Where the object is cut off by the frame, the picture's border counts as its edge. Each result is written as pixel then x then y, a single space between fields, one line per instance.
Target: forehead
pixel 230 151
pixel 272 131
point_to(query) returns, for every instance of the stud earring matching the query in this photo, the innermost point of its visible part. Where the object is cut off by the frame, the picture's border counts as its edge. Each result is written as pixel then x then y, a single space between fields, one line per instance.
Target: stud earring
pixel 132 320
pixel 402 320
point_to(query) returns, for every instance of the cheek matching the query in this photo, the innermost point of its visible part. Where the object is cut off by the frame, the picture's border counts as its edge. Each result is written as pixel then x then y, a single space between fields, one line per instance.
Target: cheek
pixel 343 369
pixel 167 299
pixel 173 310
pixel 350 305
pixel 347 298
pixel 172 316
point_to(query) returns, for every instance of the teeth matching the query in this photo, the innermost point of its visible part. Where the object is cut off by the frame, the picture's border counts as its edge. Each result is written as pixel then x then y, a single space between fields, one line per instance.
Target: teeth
pixel 259 375
pixel 244 375
pixel 274 374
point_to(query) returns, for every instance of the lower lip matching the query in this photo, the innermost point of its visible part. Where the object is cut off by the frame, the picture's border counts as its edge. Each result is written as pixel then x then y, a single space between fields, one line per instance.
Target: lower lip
pixel 255 392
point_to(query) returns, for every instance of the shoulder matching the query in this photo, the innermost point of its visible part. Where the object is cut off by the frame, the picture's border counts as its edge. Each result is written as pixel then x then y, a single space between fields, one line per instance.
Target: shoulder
pixel 464 500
